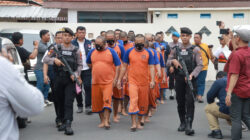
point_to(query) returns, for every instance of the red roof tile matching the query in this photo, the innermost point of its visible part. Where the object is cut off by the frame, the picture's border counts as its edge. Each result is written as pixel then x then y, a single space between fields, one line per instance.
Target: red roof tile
pixel 16 3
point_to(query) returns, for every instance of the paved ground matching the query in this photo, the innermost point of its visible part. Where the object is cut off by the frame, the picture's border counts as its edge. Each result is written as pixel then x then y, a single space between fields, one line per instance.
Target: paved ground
pixel 163 126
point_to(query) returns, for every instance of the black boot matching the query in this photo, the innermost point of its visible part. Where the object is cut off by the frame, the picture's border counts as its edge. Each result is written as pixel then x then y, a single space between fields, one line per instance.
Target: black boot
pixel 68 129
pixel 215 134
pixel 62 127
pixel 189 131
pixel 182 127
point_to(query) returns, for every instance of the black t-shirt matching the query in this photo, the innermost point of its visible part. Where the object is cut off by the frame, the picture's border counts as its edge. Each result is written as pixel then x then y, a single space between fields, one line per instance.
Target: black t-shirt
pixel 24 54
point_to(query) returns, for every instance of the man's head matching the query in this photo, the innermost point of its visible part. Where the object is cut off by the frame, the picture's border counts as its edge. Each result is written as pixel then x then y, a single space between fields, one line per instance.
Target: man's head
pixel 175 37
pixel 139 42
pixel 58 37
pixel 149 37
pixel 110 37
pixel 124 37
pixel 100 43
pixel 220 75
pixel 117 34
pixel 17 38
pixel 197 38
pixel 186 35
pixel 45 36
pixel 103 33
pixel 67 35
pixel 159 34
pixel 131 37
pixel 81 33
pixel 241 35
pixel 158 39
pixel 222 40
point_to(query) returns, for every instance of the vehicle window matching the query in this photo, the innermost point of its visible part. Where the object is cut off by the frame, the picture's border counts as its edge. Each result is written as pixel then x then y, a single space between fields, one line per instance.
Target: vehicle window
pixel 13 54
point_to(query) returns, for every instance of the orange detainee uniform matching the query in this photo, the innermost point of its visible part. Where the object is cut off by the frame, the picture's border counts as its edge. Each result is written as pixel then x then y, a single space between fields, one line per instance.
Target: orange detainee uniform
pixel 138 79
pixel 103 75
pixel 117 93
pixel 125 85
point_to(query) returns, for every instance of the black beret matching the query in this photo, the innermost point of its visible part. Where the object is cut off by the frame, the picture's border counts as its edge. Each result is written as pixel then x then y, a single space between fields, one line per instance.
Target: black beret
pixel 68 30
pixel 186 30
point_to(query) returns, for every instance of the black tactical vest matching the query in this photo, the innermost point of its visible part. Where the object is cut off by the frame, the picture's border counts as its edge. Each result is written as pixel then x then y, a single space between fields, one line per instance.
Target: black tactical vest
pixel 70 56
pixel 189 58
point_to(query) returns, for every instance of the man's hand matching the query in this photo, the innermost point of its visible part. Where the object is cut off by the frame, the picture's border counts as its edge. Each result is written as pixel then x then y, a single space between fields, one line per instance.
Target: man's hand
pixel 118 84
pixel 46 79
pixel 164 80
pixel 36 43
pixel 125 79
pixel 80 80
pixel 72 77
pixel 176 64
pixel 190 77
pixel 222 25
pixel 152 84
pixel 171 69
pixel 228 100
pixel 58 62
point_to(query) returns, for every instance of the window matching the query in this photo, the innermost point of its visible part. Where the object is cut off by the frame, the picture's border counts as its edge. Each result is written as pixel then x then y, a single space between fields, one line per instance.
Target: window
pixel 112 17
pixel 174 16
pixel 206 16
pixel 238 15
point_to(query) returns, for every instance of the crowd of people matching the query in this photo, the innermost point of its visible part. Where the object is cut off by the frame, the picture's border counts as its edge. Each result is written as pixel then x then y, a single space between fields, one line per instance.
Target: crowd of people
pixel 121 68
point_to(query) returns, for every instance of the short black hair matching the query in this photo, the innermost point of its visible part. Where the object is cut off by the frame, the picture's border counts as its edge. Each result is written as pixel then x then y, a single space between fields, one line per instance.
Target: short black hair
pixel 43 32
pixel 131 31
pixel 199 33
pixel 221 74
pixel 102 32
pixel 80 28
pixel 16 36
pixel 158 33
pixel 92 40
pixel 118 30
pixel 58 32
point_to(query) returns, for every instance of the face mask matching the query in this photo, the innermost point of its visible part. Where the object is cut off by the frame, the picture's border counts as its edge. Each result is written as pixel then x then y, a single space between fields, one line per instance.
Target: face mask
pixel 139 46
pixel 110 42
pixel 125 42
pixel 98 47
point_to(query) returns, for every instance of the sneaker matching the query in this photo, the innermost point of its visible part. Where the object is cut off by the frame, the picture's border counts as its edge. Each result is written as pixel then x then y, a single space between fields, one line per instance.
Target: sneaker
pixel 80 110
pixel 88 111
pixel 48 102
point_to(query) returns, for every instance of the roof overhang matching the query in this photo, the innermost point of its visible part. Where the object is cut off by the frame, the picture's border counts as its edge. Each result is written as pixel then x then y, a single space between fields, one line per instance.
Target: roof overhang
pixel 201 9
pixel 28 12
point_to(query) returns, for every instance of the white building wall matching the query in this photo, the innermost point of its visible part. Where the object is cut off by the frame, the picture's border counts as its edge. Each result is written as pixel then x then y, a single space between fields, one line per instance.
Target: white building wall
pixel 72 16
pixel 189 19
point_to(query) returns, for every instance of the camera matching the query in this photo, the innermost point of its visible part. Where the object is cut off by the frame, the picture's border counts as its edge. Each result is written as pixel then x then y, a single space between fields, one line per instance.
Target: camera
pixel 224 31
pixel 218 23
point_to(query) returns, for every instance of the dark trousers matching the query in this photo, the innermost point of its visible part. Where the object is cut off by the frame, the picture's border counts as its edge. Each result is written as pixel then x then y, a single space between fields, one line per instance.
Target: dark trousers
pixel 86 77
pixel 64 95
pixel 239 110
pixel 184 97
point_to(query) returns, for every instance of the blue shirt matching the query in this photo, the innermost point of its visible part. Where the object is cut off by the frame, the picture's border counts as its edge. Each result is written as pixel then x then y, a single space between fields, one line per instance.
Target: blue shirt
pixel 218 90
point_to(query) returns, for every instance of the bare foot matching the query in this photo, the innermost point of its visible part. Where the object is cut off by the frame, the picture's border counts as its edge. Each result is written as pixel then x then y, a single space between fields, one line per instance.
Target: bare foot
pixel 149 114
pixel 162 102
pixel 139 126
pixel 116 119
pixel 101 125
pixel 147 119
pixel 133 128
pixel 124 112
pixel 107 126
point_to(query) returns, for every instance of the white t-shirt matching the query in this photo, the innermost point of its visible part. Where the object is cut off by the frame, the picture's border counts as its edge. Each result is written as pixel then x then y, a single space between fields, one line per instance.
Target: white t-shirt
pixel 225 50
pixel 84 63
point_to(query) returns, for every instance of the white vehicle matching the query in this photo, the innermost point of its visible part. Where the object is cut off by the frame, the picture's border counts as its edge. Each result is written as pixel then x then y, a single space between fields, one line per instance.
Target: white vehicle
pixel 11 49
pixel 29 35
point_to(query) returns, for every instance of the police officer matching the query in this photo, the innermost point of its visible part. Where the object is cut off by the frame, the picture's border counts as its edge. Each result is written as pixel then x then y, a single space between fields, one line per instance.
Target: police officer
pixel 65 85
pixel 185 100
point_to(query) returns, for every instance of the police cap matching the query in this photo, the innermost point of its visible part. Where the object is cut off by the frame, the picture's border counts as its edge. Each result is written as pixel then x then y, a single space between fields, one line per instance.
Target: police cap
pixel 186 30
pixel 68 30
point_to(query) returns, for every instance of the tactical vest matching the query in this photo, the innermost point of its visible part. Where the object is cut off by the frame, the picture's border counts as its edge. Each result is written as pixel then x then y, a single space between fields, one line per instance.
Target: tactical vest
pixel 189 58
pixel 70 56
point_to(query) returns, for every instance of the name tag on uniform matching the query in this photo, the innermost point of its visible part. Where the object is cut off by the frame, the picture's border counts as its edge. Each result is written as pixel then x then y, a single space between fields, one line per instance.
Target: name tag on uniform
pixel 184 52
pixel 69 53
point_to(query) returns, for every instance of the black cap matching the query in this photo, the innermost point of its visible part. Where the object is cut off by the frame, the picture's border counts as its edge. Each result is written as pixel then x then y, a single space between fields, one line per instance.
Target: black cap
pixel 186 30
pixel 68 30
